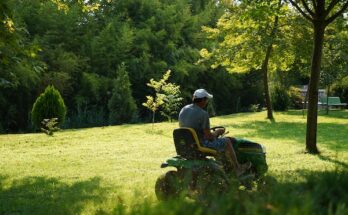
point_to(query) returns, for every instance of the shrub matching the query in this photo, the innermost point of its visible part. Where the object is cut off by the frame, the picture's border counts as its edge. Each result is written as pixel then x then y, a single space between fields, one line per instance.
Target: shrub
pixel 48 105
pixel 122 105
pixel 49 126
pixel 296 98
pixel 280 99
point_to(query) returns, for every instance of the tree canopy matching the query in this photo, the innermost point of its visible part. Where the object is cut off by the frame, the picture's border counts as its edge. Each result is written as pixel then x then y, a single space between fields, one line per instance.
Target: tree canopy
pixel 79 47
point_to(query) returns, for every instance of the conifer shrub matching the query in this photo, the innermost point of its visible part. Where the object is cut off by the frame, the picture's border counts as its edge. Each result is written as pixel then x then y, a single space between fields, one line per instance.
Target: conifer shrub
pixel 48 105
pixel 122 106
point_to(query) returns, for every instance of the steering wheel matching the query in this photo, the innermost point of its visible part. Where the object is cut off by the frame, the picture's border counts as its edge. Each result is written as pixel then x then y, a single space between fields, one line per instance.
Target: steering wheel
pixel 218 127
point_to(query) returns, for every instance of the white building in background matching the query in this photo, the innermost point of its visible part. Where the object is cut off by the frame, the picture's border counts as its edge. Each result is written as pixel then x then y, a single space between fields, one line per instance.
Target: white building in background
pixel 304 88
pixel 321 93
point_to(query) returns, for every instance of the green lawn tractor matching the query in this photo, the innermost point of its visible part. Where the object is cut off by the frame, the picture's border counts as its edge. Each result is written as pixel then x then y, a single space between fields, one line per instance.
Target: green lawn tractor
pixel 197 170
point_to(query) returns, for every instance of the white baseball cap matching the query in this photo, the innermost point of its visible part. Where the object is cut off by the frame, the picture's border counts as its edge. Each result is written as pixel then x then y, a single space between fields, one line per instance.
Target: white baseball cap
pixel 201 93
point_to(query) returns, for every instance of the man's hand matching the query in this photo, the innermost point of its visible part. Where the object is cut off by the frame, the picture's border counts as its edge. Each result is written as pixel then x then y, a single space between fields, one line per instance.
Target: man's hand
pixel 212 135
pixel 219 131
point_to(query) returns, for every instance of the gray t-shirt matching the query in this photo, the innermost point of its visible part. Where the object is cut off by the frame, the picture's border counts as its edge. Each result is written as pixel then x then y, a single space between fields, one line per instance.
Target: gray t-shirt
pixel 195 117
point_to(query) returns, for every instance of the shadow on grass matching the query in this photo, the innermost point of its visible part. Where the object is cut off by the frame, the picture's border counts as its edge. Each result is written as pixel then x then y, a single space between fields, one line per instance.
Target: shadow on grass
pixel 41 195
pixel 338 163
pixel 333 136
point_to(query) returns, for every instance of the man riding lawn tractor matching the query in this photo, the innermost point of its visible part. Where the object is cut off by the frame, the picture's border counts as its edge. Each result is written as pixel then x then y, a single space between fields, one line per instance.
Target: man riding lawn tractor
pixel 195 142
pixel 194 116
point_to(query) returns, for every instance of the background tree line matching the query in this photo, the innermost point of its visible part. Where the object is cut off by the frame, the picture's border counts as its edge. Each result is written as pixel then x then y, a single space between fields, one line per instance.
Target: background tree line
pixel 102 58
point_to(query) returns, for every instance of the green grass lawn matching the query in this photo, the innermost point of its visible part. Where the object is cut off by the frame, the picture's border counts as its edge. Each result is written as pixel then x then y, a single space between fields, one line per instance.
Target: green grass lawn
pixel 91 171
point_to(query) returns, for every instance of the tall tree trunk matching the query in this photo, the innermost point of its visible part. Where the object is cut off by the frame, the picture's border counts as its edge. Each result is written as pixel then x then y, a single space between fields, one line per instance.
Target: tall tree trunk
pixel 312 116
pixel 264 67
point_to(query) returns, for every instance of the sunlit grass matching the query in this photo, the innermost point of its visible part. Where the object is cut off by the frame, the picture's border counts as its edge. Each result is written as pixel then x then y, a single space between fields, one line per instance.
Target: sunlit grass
pixel 93 170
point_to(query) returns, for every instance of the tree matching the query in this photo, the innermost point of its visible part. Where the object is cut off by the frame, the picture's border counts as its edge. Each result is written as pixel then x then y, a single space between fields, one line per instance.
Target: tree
pixel 48 105
pixel 111 47
pixel 172 100
pixel 320 13
pixel 335 60
pixel 78 51
pixel 19 69
pixel 153 104
pixel 246 41
pixel 122 105
pixel 167 96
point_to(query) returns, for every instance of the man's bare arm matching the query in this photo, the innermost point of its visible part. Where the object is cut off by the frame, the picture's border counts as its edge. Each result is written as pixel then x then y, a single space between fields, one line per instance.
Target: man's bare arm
pixel 211 135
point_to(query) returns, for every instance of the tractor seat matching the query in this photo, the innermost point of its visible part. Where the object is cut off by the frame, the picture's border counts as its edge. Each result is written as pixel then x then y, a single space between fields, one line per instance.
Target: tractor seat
pixel 187 144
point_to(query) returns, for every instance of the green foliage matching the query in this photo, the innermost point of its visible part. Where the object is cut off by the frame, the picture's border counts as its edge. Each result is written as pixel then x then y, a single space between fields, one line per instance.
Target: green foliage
pixel 19 69
pixel 172 100
pixel 335 64
pixel 87 116
pixel 78 45
pixel 242 36
pixel 340 88
pixel 280 99
pixel 108 50
pixel 245 40
pixel 167 97
pixel 93 87
pixel 153 104
pixel 122 105
pixel 92 99
pixel 296 99
pixel 49 126
pixel 62 70
pixel 48 105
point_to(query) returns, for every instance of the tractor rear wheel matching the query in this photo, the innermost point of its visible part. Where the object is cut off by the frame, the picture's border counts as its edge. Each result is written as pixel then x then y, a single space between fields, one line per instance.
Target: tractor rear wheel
pixel 168 186
pixel 210 184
